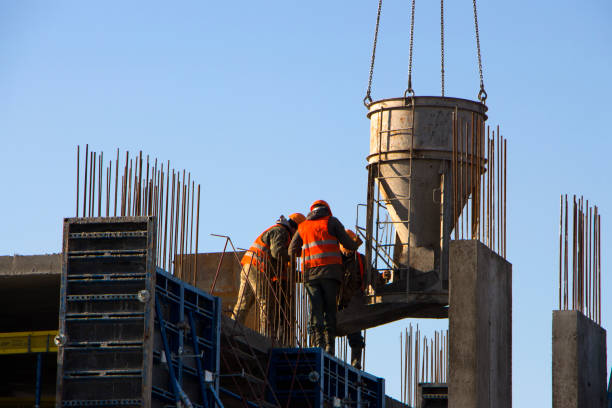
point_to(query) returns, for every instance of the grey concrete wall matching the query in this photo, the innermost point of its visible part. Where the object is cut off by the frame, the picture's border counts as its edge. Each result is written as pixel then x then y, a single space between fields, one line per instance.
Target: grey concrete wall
pixel 29 292
pixel 480 327
pixel 23 265
pixel 579 361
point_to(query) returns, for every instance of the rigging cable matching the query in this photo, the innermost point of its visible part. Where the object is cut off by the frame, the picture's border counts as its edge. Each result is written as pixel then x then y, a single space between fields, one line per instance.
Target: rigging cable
pixel 368 99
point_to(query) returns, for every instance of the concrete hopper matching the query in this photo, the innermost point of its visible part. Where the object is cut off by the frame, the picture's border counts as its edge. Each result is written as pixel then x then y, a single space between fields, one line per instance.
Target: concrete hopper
pixel 412 145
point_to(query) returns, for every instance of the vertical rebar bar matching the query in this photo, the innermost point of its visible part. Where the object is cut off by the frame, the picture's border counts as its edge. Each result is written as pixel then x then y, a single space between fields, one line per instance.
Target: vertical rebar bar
pixel 85 181
pixel 100 184
pixel 77 183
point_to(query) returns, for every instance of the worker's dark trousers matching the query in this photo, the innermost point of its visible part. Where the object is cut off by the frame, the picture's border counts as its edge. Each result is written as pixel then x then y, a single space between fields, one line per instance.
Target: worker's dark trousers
pixel 357 343
pixel 355 340
pixel 322 297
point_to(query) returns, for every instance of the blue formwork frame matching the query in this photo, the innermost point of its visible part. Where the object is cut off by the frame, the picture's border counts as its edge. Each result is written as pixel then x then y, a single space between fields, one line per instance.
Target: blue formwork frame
pixel 310 377
pixel 187 358
pixel 126 329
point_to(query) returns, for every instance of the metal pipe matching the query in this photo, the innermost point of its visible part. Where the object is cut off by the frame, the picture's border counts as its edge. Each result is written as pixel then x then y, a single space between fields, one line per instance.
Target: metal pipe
pixel 100 184
pixel 85 180
pixel 505 191
pixel 108 186
pixel 560 247
pixel 170 248
pixel 472 178
pixel 565 262
pixel 176 227
pixel 129 192
pixel 166 215
pixel 92 185
pixel 454 171
pixel 138 201
pixel 38 379
pixel 191 228
pixel 77 183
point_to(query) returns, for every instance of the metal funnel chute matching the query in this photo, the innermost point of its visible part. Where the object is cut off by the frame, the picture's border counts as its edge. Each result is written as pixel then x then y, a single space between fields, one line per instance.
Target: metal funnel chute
pixel 414 145
pixel 434 169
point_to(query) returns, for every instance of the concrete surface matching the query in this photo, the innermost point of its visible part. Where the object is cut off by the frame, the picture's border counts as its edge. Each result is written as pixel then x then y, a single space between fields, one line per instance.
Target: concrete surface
pixel 480 327
pixel 359 315
pixel 579 361
pixel 29 292
pixel 30 264
pixel 227 280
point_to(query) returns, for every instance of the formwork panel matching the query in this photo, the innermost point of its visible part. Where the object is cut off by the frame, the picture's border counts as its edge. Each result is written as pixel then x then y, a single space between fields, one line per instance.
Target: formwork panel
pixel 131 334
pixel 184 310
pixel 108 276
pixel 309 377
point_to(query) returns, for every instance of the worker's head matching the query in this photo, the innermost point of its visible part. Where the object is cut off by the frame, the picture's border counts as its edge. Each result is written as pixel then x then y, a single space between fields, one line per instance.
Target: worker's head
pixel 296 219
pixel 320 203
pixel 353 236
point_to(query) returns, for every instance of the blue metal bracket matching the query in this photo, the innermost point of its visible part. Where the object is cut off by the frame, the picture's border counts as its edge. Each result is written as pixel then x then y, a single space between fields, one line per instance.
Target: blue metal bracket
pixel 162 329
pixel 215 396
pixel 196 351
pixel 38 378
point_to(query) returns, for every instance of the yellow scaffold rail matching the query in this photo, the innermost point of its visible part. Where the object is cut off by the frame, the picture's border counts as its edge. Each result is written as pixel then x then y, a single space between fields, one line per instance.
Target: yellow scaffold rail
pixel 28 342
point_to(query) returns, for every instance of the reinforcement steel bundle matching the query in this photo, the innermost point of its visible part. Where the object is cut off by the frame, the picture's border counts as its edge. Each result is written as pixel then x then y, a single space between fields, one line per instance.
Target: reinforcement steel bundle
pixel 480 182
pixel 580 257
pixel 423 360
pixel 142 186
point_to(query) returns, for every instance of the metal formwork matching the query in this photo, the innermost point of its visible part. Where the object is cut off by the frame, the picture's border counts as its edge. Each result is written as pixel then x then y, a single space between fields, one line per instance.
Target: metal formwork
pixel 125 329
pixel 432 395
pixel 181 311
pixel 309 377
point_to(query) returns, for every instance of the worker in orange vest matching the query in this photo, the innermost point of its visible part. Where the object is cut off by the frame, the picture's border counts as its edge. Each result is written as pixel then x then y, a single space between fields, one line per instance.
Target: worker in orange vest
pixel 354 284
pixel 264 263
pixel 318 241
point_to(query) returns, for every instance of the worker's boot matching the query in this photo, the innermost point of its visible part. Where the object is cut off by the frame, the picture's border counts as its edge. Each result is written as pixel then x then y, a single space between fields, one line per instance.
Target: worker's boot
pixel 330 342
pixel 356 357
pixel 316 336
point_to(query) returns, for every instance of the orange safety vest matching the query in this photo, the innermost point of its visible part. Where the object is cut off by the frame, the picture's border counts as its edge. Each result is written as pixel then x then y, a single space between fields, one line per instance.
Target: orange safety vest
pixel 319 246
pixel 259 253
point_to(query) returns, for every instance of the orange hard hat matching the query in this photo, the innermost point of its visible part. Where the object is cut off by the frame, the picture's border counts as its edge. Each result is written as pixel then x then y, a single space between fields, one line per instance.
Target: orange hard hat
pixel 298 218
pixel 319 203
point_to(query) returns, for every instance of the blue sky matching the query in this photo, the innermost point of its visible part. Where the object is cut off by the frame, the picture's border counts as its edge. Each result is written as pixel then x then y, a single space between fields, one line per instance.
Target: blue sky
pixel 262 103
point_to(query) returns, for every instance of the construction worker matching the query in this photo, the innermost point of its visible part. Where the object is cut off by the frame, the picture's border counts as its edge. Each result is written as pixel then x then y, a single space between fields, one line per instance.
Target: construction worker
pixel 354 284
pixel 318 241
pixel 263 264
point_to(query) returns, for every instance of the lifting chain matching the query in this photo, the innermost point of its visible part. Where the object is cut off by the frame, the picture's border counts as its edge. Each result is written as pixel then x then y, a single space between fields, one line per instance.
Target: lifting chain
pixel 482 94
pixel 368 98
pixel 442 44
pixel 410 90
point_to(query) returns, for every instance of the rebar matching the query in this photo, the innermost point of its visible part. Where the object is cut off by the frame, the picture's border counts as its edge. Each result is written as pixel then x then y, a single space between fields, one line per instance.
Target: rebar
pixel 479 177
pixel 585 282
pixel 142 194
pixel 422 360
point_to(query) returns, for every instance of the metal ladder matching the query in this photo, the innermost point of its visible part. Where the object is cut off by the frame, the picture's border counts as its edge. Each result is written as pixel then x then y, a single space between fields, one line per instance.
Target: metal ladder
pixel 382 253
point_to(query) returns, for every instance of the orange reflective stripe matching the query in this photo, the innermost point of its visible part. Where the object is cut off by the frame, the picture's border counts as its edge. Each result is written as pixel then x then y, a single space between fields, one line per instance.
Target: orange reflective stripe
pixel 319 243
pixel 259 252
pixel 319 246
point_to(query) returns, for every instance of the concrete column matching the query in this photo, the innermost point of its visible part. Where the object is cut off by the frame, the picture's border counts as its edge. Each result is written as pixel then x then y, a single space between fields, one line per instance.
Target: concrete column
pixel 579 361
pixel 480 327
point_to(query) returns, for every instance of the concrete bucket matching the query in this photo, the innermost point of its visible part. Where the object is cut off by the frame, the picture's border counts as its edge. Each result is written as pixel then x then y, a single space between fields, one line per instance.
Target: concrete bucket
pixel 412 146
